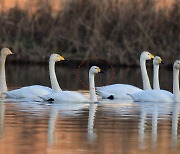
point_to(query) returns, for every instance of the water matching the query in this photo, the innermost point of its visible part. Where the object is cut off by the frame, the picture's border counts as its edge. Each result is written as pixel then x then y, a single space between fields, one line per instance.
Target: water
pixel 107 127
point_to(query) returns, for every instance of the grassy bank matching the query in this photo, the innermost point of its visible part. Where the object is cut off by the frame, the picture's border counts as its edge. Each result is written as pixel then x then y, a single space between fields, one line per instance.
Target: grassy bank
pixel 117 30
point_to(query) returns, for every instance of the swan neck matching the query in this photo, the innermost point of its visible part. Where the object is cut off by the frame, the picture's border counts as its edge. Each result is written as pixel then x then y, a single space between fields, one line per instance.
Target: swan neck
pixel 3 85
pixel 175 83
pixel 145 78
pixel 54 83
pixel 93 97
pixel 156 77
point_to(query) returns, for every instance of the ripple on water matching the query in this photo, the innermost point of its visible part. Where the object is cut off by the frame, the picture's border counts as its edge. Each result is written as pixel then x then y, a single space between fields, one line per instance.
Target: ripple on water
pixel 105 127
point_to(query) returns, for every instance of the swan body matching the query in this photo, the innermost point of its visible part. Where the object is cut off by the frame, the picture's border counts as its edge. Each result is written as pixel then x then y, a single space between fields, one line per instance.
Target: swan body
pixel 117 91
pixel 120 91
pixel 29 92
pixel 161 95
pixel 4 53
pixel 35 91
pixel 153 96
pixel 65 96
pixel 71 96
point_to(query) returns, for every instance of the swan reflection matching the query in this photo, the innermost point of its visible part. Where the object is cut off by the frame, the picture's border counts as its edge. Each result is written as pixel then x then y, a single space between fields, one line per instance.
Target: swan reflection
pixel 64 109
pixel 175 120
pixel 52 123
pixel 155 110
pixel 2 114
pixel 90 130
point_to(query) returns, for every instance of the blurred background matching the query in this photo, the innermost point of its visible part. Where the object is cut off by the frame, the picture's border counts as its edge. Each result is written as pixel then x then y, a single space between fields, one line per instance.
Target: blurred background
pixel 118 30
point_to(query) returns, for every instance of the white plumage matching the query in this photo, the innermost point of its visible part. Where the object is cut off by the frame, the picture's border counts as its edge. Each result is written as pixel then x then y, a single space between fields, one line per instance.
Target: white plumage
pixel 65 96
pixel 153 96
pixel 35 91
pixel 71 96
pixel 120 91
pixel 117 91
pixel 161 95
pixel 29 92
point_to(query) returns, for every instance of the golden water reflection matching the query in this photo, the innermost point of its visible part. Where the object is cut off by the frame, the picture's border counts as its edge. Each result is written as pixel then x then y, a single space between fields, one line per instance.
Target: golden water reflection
pixel 88 128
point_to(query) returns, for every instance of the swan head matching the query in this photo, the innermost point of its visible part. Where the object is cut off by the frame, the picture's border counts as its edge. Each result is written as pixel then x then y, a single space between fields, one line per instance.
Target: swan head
pixel 147 55
pixel 176 64
pixel 56 57
pixel 6 51
pixel 94 70
pixel 157 60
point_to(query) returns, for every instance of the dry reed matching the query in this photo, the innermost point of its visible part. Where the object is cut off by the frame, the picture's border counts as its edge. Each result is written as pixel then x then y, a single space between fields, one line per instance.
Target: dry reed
pixel 117 30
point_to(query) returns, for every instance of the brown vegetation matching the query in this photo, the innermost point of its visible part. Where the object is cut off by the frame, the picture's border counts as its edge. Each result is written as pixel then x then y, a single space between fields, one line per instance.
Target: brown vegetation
pixel 117 30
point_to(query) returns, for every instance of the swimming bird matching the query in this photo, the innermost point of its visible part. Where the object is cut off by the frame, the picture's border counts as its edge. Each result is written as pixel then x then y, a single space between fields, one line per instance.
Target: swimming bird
pixel 120 91
pixel 34 91
pixel 161 95
pixel 72 96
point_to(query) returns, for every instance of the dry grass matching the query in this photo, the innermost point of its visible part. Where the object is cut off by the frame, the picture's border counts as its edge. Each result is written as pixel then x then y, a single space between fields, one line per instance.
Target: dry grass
pixel 117 30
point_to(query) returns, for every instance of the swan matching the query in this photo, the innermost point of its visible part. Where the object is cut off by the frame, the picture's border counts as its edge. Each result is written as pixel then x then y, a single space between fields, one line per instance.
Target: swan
pixel 161 95
pixel 120 91
pixel 34 91
pixel 72 96
pixel 4 53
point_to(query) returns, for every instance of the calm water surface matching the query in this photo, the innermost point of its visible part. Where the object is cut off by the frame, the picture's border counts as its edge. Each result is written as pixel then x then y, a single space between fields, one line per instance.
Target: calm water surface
pixel 107 127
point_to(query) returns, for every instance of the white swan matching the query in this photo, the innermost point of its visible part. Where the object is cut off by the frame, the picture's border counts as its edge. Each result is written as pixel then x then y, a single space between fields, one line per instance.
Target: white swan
pixel 120 91
pixel 34 91
pixel 72 96
pixel 161 95
pixel 3 85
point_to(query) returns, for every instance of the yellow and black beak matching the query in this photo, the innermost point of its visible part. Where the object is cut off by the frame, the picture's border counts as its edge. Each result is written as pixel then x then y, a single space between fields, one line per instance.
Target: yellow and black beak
pixel 100 71
pixel 11 53
pixel 61 58
pixel 160 61
pixel 152 56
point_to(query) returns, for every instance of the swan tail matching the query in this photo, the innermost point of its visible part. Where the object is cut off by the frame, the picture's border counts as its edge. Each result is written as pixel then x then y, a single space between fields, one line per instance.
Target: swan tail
pixel 50 100
pixel 105 95
pixel 111 97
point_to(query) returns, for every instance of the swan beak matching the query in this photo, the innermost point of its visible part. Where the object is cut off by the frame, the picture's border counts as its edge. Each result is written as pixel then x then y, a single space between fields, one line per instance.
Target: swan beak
pixel 99 70
pixel 160 61
pixel 61 58
pixel 11 53
pixel 152 56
